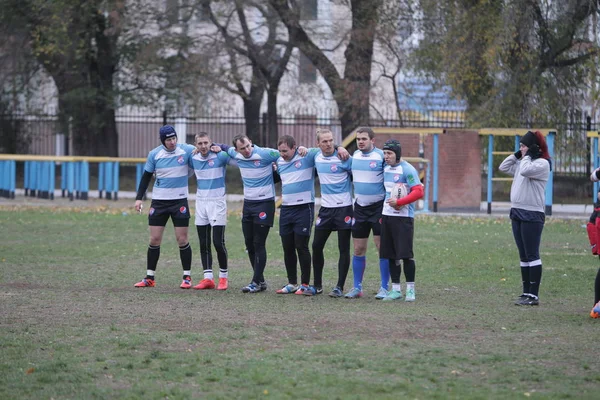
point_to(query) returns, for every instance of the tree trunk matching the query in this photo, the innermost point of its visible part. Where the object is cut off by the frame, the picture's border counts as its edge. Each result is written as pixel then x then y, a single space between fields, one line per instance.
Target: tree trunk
pixel 272 123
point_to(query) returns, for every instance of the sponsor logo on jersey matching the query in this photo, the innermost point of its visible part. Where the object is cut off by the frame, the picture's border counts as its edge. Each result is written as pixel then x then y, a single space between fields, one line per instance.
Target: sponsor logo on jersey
pixel 372 165
pixel 396 178
pixel 257 163
pixel 151 211
pixel 380 219
pixel 180 160
pixel 334 168
pixel 182 209
pixel 273 153
pixel 353 221
pixel 262 215
pixel 348 219
pixel 411 179
pixel 298 164
pixel 318 221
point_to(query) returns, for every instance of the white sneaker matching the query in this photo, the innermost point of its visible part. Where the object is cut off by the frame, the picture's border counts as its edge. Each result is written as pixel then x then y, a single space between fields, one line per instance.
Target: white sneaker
pixel 381 293
pixel 410 295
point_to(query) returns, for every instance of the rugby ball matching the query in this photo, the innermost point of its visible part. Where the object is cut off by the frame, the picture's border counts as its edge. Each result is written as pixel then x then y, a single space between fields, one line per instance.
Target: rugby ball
pixel 399 191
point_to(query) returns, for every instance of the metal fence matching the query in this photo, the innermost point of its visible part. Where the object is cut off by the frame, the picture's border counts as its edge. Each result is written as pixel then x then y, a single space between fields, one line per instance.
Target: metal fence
pixel 37 134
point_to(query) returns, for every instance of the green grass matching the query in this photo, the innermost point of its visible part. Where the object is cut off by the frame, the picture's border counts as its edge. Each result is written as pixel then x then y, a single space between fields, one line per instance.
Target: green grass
pixel 73 326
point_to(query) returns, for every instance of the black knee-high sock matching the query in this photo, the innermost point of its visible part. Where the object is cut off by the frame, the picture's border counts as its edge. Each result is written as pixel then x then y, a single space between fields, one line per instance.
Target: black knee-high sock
pixel 344 237
pixel 205 247
pixel 290 259
pixel 535 277
pixel 301 245
pixel 597 287
pixel 260 240
pixel 318 244
pixel 395 271
pixel 219 242
pixel 525 279
pixel 185 254
pixel 152 259
pixel 409 269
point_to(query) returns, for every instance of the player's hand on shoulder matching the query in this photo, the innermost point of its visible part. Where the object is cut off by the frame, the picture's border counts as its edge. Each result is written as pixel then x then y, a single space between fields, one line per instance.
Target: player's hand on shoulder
pixel 302 151
pixel 215 148
pixel 343 154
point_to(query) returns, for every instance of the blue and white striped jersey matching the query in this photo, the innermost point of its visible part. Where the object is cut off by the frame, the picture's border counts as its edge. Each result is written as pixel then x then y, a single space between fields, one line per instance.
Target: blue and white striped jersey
pixel 257 172
pixel 367 174
pixel 298 178
pixel 171 171
pixel 210 175
pixel 401 173
pixel 334 177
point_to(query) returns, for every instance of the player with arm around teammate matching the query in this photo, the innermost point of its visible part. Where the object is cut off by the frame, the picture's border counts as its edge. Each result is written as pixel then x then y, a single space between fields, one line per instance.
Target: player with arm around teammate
pixel 397 225
pixel 258 214
pixel 169 163
pixel 336 212
pixel 369 192
pixel 211 209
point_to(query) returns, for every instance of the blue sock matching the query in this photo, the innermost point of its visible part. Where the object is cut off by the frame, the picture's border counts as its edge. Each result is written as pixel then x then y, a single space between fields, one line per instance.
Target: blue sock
pixel 358 270
pixel 384 270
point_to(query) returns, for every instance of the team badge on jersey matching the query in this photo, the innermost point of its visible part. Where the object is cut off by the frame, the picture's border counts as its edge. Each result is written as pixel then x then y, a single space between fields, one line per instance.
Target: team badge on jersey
pixel 318 221
pixel 262 215
pixel 211 163
pixel 182 209
pixel 180 160
pixel 372 165
pixel 151 211
pixel 298 164
pixel 396 178
pixel 257 163
pixel 333 168
pixel 348 219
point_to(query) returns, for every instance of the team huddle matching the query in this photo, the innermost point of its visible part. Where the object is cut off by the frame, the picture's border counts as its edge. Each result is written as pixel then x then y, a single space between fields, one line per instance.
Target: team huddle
pixel 373 190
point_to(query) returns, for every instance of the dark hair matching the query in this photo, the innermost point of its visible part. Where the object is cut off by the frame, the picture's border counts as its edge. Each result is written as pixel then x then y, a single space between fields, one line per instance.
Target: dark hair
pixel 287 139
pixel 239 138
pixel 367 130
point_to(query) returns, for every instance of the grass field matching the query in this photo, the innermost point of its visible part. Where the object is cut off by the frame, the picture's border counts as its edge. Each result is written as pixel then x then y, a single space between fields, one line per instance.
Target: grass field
pixel 72 326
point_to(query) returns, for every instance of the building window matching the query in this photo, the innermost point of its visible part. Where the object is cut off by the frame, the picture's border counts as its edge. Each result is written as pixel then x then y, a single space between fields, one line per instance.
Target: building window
pixel 307 73
pixel 309 9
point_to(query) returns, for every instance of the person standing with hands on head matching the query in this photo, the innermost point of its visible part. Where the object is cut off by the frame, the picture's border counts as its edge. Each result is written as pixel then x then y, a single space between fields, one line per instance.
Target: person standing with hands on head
pixel 530 166
pixel 211 209
pixel 169 163
pixel 369 192
pixel 397 225
pixel 595 313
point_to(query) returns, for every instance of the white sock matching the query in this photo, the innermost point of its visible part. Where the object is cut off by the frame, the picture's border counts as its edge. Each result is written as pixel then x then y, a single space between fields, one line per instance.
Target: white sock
pixel 223 273
pixel 149 272
pixel 410 285
pixel 187 273
pixel 396 287
pixel 208 274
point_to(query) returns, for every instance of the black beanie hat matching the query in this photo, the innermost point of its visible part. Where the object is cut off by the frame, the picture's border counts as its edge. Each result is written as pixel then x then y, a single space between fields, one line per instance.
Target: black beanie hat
pixel 529 139
pixel 394 145
pixel 166 132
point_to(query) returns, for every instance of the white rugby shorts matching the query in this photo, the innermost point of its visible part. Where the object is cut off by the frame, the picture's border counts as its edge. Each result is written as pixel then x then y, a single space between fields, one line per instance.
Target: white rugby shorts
pixel 211 212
